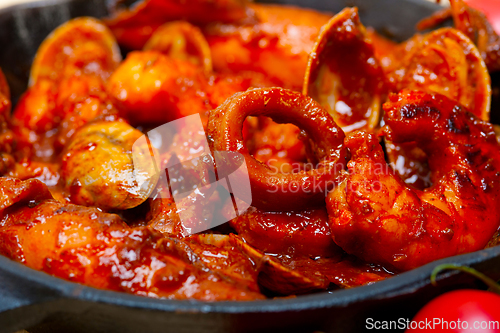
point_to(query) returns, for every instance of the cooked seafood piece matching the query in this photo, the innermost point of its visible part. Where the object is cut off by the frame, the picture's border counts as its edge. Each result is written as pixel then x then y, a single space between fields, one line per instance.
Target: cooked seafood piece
pixel 80 46
pixel 271 190
pixel 446 62
pixel 302 233
pixel 377 217
pixel 182 40
pixel 152 88
pixel 98 168
pixel 85 245
pixel 474 24
pixel 344 75
pixel 134 26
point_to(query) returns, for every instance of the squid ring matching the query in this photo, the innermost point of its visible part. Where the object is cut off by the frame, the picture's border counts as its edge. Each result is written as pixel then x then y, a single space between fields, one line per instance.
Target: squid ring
pixel 275 191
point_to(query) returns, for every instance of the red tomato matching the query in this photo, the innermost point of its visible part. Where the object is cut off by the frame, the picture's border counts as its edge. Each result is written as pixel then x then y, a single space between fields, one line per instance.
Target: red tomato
pixel 459 311
pixel 491 8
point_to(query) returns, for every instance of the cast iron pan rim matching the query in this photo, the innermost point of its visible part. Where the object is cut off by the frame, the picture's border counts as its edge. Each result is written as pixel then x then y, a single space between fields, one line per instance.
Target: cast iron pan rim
pixel 401 284
pixel 398 285
pixel 42 3
pixel 39 3
pixel 428 4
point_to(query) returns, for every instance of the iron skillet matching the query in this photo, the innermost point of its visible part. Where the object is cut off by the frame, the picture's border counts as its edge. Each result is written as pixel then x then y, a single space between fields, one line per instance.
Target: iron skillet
pixel 38 302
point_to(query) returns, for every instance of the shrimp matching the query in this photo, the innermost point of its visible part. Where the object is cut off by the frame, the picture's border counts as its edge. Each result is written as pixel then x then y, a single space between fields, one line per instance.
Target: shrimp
pixel 445 62
pixel 377 217
pixel 85 245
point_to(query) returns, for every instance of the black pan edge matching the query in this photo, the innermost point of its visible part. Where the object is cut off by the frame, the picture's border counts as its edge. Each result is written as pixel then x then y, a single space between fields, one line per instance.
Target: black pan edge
pixel 400 284
pixel 29 298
